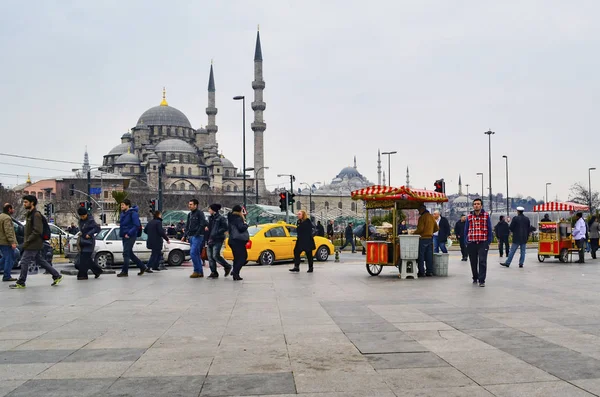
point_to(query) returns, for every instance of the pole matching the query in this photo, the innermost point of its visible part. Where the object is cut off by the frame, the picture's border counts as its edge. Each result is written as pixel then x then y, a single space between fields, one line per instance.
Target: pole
pixel 546 193
pixel 292 189
pixel 507 199
pixel 160 186
pixel 489 134
pixel 89 183
pixel 244 145
pixel 590 188
pixel 287 211
pixel 467 195
pixel 256 189
pixel 389 169
pixel 309 199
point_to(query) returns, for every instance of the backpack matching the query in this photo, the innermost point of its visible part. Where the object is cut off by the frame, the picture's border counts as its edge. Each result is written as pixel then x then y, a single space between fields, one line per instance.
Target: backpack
pixel 46 232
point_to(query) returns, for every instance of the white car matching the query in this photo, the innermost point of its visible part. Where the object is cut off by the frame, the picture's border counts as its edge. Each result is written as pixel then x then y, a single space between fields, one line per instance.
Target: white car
pixel 109 248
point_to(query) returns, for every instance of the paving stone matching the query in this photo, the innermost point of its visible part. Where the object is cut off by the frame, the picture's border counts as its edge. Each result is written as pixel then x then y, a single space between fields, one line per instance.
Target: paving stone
pixel 538 389
pixel 590 385
pixel 6 386
pixel 385 342
pixel 421 378
pixel 169 367
pixel 176 386
pixel 405 360
pixel 339 381
pixel 248 384
pixel 63 388
pixel 462 391
pixel 83 370
pixel 33 356
pixel 22 371
pixel 105 355
pixel 53 344
pixel 425 326
pixel 367 327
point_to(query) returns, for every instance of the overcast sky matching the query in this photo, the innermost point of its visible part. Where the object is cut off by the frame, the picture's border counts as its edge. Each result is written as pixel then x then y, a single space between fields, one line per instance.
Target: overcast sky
pixel 343 78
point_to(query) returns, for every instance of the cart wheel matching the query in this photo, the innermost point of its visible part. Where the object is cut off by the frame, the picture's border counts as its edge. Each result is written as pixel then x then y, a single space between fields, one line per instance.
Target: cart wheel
pixel 564 255
pixel 541 258
pixel 374 270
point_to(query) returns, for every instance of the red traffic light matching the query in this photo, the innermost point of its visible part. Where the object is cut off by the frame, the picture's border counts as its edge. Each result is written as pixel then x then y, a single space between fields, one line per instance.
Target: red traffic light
pixel 82 204
pixel 282 196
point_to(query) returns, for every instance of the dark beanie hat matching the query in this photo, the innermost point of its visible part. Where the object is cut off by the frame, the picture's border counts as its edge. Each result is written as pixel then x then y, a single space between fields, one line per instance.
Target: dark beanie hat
pixel 215 207
pixel 237 208
pixel 81 211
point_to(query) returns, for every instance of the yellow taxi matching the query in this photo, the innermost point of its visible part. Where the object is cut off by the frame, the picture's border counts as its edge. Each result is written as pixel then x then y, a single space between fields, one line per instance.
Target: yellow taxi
pixel 275 242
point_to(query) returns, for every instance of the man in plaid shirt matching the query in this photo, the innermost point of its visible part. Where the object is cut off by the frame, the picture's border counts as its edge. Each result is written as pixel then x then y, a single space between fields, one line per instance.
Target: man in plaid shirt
pixel 478 232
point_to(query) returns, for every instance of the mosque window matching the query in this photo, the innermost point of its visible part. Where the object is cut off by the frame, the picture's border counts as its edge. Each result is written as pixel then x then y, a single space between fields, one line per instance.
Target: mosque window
pixel 228 188
pixel 326 205
pixel 182 170
pixel 164 157
pixel 299 205
pixel 155 131
pixel 204 171
pixel 172 157
pixel 25 192
pixel 190 171
pixel 187 158
pixel 181 158
pixel 235 188
pixel 40 196
pixel 312 205
pixel 340 205
pixel 353 206
pixel 226 172
pixel 182 186
pixel 192 187
pixel 174 170
pixel 132 170
pixel 218 170
pixel 154 168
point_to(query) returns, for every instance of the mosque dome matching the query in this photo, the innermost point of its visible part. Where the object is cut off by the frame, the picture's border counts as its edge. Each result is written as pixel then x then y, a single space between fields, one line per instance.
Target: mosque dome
pixel 174 145
pixel 127 158
pixel 120 149
pixel 164 115
pixel 227 163
pixel 349 173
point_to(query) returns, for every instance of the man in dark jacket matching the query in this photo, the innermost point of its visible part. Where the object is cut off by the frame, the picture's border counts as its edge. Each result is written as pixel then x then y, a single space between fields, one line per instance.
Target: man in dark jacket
pixel 320 229
pixel 180 229
pixel 520 228
pixel 129 227
pixel 459 231
pixel 502 232
pixel 217 226
pixel 330 230
pixel 349 234
pixel 441 236
pixel 156 234
pixel 33 245
pixel 194 232
pixel 86 243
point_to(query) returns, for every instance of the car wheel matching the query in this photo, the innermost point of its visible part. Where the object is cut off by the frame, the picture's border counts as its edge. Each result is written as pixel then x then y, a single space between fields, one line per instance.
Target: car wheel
pixel 176 258
pixel 322 254
pixel 266 258
pixel 104 260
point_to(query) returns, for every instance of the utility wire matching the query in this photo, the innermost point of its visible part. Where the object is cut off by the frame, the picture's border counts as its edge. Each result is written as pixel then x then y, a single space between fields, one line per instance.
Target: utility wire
pixel 42 159
pixel 39 168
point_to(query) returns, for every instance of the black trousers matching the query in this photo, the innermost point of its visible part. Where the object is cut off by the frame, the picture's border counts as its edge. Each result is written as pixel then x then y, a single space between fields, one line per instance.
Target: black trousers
pixel 478 253
pixel 503 243
pixel 297 252
pixel 463 248
pixel 594 247
pixel 581 246
pixel 240 256
pixel 86 262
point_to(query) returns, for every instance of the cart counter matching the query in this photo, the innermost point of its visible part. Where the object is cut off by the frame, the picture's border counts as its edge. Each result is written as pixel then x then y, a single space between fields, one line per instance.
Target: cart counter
pixel 380 252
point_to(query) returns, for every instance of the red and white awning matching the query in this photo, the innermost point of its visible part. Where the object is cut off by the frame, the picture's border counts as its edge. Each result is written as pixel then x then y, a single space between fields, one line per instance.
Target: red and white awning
pixel 378 192
pixel 556 206
pixel 375 190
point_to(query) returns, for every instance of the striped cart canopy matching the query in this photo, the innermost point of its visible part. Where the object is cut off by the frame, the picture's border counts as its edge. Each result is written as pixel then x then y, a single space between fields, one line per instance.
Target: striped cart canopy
pixel 556 206
pixel 378 196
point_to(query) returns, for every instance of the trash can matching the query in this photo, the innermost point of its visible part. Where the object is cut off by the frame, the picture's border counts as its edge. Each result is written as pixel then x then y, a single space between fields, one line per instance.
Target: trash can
pixel 440 264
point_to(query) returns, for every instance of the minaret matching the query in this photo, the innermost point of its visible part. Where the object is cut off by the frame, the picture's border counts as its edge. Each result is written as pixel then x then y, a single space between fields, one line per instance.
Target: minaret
pixel 211 110
pixel 259 126
pixel 86 162
pixel 354 162
pixel 407 178
pixel 379 167
pixel 460 193
pixel 383 178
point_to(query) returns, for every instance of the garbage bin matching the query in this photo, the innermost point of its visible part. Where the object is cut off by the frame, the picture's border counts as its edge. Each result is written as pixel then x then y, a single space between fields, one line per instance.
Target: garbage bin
pixel 440 264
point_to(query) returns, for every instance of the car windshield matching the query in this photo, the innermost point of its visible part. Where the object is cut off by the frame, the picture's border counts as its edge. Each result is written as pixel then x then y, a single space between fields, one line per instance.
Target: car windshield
pixel 102 234
pixel 252 230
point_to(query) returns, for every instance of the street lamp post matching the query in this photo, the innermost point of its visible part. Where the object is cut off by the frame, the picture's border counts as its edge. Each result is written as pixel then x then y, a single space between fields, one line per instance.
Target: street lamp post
pixel 547 184
pixel 467 185
pixel 507 200
pixel 243 98
pixel 389 154
pixel 489 133
pixel 481 175
pixel 256 177
pixel 590 187
pixel 310 194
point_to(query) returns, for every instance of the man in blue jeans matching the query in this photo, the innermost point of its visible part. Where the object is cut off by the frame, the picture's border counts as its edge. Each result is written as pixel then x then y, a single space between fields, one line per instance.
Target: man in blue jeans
pixel 194 232
pixel 440 238
pixel 217 226
pixel 8 242
pixel 426 226
pixel 130 226
pixel 520 228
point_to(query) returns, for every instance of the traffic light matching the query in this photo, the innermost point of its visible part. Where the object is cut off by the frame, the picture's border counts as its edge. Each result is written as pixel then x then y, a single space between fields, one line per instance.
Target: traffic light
pixel 439 186
pixel 291 200
pixel 83 204
pixel 283 201
pixel 153 205
pixel 48 210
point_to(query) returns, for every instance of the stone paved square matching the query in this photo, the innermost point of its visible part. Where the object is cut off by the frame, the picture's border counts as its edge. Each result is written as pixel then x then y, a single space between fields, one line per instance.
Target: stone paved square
pixel 336 332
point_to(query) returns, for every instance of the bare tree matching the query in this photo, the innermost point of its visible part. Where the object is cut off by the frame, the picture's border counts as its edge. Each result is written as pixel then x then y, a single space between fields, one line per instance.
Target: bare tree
pixel 580 194
pixel 14 198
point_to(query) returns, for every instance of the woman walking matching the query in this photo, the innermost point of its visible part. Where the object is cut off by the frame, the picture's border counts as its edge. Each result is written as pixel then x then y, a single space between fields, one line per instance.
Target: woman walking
pixel 594 232
pixel 156 234
pixel 86 243
pixel 238 237
pixel 305 242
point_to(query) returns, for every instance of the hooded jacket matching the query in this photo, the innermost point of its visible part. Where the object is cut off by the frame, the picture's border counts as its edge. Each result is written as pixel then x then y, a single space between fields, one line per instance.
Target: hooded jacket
pixel 218 227
pixel 89 227
pixel 33 231
pixel 502 229
pixel 130 223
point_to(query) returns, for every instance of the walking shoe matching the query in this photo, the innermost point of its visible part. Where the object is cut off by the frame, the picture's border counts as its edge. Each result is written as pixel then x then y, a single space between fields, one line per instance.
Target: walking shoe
pixel 295 269
pixel 155 269
pixel 237 278
pixel 429 274
pixel 17 286
pixel 196 275
pixel 123 274
pixel 420 274
pixel 57 281
pixel 482 284
pixel 227 271
pixel 9 279
pixel 520 265
pixel 143 271
pixel 98 274
pixel 475 281
pixel 310 270
pixel 505 264
pixel 213 275
pixel 148 270
pixel 82 278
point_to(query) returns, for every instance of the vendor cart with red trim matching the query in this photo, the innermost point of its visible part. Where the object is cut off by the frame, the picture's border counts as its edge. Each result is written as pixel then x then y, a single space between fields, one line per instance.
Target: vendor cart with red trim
pixel 556 239
pixel 386 251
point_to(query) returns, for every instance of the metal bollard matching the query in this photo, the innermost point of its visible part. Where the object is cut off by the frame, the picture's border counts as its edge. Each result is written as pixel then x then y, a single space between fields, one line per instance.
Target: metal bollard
pixel 337 256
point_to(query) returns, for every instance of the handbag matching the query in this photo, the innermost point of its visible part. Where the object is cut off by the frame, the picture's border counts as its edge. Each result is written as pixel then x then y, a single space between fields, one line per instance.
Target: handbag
pixel 204 254
pixel 239 236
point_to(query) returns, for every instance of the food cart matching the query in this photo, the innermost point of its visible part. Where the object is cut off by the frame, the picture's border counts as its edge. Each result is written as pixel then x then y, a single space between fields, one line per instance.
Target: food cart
pixel 391 249
pixel 556 239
